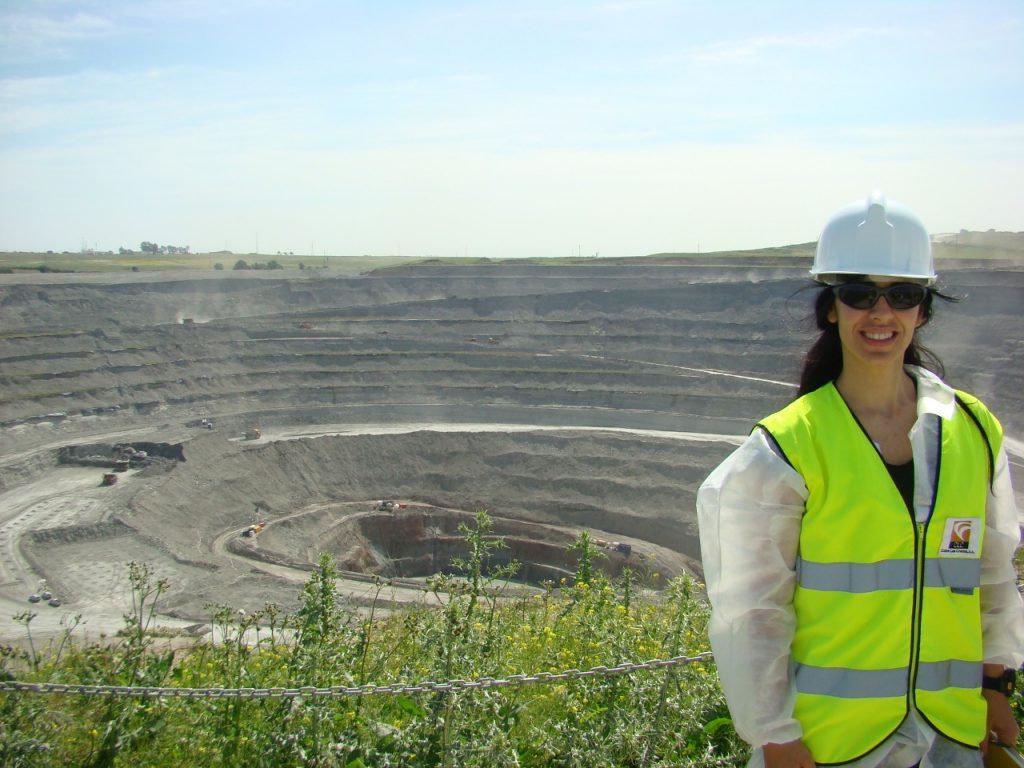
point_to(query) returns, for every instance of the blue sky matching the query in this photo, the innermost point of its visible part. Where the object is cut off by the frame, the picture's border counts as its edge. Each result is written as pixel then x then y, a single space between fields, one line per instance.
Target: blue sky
pixel 500 129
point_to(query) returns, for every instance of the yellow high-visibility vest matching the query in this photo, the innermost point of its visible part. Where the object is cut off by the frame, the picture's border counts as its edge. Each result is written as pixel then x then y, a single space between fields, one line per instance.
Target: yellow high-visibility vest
pixel 888 612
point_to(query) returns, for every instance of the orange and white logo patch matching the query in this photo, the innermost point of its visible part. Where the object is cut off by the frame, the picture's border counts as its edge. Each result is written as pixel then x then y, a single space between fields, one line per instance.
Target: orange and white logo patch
pixel 961 537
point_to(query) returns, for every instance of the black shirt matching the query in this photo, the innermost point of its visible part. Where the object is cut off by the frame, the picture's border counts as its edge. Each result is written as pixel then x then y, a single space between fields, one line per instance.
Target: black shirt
pixel 903 476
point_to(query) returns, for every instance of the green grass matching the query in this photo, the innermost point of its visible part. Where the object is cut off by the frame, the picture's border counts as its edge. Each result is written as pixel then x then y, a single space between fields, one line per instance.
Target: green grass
pixel 39 334
pixel 667 716
pixel 973 252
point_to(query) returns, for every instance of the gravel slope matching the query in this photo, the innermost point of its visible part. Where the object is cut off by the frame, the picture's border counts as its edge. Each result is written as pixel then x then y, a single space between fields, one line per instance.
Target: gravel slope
pixel 600 383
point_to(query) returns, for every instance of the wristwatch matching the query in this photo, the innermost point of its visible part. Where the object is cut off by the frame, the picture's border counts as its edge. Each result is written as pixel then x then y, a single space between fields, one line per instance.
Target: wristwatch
pixel 1005 683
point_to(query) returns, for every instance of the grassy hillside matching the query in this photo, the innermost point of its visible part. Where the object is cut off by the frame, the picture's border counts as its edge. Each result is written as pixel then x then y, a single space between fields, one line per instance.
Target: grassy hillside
pixel 963 245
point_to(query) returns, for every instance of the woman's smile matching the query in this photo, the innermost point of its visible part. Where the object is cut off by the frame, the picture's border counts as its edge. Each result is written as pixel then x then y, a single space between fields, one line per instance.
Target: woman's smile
pixel 879 335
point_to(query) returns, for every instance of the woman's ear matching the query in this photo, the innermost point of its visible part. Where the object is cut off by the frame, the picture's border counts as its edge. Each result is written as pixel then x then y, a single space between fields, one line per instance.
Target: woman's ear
pixel 833 318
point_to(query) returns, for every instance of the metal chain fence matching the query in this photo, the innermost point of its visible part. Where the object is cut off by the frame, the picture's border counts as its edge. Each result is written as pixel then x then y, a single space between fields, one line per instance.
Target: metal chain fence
pixel 344 690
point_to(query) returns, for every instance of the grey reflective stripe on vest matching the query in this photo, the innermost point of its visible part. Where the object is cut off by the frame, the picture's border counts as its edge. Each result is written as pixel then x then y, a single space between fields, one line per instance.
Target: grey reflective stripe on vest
pixel 887 574
pixel 938 675
pixel 852 683
pixel 885 683
pixel 953 572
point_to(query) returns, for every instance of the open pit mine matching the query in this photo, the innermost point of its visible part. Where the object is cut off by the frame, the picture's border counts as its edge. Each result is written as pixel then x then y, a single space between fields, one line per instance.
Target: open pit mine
pixel 227 428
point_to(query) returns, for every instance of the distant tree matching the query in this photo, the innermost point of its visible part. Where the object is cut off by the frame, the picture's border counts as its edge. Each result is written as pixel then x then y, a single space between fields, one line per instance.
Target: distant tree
pixel 241 264
pixel 148 247
pixel 218 266
pixel 274 264
pixel 301 265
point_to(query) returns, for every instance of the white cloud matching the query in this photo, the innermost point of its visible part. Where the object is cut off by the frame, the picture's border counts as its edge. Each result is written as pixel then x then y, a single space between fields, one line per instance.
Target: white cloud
pixel 35 36
pixel 820 39
pixel 164 10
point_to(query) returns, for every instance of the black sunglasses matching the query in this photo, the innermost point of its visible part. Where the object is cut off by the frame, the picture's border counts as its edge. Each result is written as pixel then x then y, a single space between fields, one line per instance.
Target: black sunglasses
pixel 866 295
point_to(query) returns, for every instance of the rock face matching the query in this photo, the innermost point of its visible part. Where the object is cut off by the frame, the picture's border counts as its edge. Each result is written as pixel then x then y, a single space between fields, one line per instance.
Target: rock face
pixel 594 372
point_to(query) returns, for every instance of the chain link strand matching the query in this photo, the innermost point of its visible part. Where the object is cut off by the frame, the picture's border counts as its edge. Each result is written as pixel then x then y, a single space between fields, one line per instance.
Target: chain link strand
pixel 342 690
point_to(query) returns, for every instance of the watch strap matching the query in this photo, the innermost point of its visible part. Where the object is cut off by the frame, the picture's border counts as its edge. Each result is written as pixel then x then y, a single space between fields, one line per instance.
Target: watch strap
pixel 1005 683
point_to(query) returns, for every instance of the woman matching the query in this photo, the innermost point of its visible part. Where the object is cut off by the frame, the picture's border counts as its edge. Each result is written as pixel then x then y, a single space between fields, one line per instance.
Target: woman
pixel 858 546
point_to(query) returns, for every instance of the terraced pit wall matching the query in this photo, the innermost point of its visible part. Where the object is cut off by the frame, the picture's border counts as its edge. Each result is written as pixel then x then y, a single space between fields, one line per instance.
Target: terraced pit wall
pixel 557 357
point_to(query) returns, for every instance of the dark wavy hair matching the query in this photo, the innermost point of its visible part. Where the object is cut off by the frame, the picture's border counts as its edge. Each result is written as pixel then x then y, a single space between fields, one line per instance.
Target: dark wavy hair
pixel 824 360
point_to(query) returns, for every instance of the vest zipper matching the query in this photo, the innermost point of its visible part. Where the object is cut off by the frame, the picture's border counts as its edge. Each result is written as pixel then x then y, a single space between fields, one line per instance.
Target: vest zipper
pixel 915 629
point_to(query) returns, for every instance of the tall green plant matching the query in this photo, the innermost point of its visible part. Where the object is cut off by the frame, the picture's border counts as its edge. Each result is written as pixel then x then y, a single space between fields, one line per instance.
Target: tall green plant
pixel 586 554
pixel 128 723
pixel 466 635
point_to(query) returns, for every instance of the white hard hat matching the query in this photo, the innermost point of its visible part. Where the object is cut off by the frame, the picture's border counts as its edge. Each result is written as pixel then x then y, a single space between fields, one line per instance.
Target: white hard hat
pixel 874 237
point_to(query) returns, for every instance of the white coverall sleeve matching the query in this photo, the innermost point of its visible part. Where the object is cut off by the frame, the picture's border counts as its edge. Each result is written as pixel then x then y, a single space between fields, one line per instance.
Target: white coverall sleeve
pixel 749 510
pixel 1002 619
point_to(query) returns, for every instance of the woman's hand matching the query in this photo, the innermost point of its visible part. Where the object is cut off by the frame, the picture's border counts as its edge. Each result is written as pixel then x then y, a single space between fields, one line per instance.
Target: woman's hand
pixel 1001 722
pixel 792 754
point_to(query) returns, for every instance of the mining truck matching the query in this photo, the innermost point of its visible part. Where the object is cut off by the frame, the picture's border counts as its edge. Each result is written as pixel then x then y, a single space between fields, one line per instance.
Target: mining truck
pixel 255 529
pixel 258 522
pixel 615 546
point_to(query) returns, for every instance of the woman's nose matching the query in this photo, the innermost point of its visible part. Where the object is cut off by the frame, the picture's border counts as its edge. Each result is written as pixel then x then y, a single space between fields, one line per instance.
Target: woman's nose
pixel 882 307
